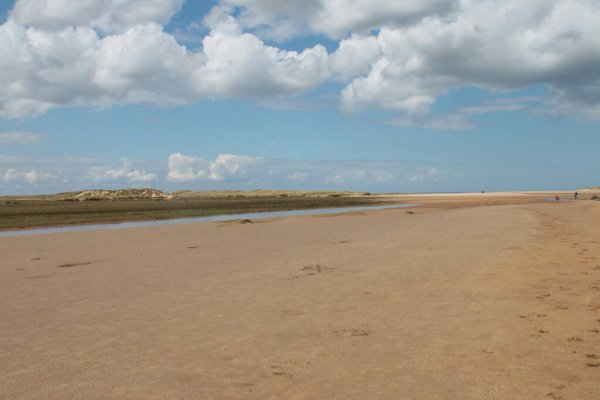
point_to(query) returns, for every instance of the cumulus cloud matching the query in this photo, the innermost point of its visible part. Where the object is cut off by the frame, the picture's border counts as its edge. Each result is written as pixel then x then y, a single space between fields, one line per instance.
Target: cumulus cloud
pixel 106 15
pixel 554 43
pixel 7 138
pixel 76 66
pixel 32 177
pixel 125 172
pixel 184 168
pixel 335 18
pixel 226 171
pixel 400 56
pixel 240 64
pixel 354 56
pixel 21 174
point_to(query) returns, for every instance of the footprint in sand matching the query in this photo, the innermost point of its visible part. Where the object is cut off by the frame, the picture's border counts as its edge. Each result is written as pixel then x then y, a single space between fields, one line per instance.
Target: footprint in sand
pixel 278 371
pixel 354 332
pixel 554 396
pixel 77 264
pixel 532 315
pixel 37 277
pixel 574 339
pixel 316 269
pixel 593 365
pixel 312 270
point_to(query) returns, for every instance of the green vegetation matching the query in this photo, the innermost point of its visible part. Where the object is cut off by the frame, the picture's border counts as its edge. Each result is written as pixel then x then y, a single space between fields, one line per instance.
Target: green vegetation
pixel 50 211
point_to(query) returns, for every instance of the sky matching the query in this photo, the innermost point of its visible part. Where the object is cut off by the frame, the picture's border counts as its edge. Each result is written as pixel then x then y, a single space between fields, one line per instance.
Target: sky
pixel 367 95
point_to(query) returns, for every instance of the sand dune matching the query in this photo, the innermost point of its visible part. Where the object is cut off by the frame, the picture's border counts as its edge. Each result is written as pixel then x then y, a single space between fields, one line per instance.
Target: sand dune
pixel 447 302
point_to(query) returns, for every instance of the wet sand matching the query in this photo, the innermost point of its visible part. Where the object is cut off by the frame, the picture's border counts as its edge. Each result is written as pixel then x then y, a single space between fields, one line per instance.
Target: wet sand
pixel 457 299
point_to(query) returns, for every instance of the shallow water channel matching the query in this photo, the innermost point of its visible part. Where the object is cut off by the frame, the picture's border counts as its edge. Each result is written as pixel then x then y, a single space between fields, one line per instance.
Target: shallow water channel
pixel 192 220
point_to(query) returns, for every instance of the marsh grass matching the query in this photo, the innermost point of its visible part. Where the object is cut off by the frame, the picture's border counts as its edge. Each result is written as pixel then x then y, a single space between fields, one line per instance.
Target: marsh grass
pixel 16 214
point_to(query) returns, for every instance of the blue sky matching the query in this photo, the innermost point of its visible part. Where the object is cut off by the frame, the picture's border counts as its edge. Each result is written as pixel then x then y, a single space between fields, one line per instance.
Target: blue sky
pixel 94 101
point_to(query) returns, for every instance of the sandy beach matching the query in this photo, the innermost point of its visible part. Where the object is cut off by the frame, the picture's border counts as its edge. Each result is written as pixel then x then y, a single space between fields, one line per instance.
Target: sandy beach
pixel 493 297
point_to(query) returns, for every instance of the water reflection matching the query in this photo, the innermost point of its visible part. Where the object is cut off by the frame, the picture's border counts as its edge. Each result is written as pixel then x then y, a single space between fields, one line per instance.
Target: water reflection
pixel 228 217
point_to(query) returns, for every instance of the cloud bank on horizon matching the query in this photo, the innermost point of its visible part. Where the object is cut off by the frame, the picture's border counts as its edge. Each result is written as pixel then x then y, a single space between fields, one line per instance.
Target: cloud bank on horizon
pixel 392 55
pixel 226 169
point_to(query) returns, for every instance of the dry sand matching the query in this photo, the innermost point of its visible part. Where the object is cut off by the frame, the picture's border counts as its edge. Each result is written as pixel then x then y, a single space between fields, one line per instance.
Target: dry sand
pixel 452 301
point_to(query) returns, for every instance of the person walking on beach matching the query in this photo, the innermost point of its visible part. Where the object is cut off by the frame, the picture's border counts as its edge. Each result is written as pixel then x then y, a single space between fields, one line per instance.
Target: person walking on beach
pixel 576 195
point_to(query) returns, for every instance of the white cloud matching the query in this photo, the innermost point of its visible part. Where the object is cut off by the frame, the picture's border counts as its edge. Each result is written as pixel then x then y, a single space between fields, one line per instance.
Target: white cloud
pixel 106 15
pixel 395 55
pixel 338 17
pixel 226 171
pixel 354 56
pixel 554 43
pixel 75 66
pixel 245 171
pixel 184 168
pixel 225 167
pixel 32 177
pixel 427 175
pixel 240 64
pixel 230 166
pixel 11 175
pixel 335 18
pixel 144 65
pixel 7 138
pixel 124 172
pixel 21 174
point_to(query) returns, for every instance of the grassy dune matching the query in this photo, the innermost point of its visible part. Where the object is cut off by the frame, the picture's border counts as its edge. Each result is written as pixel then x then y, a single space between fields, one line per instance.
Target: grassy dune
pixel 48 211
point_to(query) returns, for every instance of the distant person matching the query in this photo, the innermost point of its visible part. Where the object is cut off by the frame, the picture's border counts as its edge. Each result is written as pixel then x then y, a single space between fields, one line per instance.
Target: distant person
pixel 576 195
pixel 483 191
pixel 557 198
